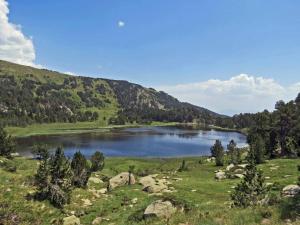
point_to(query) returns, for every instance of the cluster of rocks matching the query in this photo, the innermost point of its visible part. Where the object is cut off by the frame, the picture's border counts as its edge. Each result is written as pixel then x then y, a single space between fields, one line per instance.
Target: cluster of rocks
pixel 232 171
pixel 153 184
pixel 290 190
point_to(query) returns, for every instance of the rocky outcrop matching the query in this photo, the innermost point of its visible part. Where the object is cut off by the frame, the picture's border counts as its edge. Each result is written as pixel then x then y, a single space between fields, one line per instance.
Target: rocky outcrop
pixel 220 175
pixel 161 209
pixel 152 184
pixel 71 220
pixel 290 190
pixel 121 180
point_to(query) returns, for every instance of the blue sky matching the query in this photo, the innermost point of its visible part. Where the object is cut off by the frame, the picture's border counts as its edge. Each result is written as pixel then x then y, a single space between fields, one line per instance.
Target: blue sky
pixel 167 43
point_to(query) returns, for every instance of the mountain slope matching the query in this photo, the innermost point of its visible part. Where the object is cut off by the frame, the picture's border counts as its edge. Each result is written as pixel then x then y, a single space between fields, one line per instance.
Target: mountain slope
pixel 29 95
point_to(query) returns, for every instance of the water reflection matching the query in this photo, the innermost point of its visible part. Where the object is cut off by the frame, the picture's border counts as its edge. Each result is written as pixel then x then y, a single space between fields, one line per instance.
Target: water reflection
pixel 137 142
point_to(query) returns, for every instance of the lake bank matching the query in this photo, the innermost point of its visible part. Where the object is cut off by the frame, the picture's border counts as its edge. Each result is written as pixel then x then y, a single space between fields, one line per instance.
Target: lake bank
pixel 142 141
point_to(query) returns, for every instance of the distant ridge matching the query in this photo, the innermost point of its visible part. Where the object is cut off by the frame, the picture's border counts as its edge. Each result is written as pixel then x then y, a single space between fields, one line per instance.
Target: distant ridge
pixel 30 95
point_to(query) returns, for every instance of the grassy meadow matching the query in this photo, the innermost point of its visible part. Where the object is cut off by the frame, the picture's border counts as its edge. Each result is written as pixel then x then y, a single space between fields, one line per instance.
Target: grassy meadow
pixel 207 200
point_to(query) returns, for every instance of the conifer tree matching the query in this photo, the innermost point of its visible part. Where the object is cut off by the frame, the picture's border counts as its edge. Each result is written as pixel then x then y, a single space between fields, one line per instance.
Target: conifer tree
pixel 97 161
pixel 81 170
pixel 7 144
pixel 234 153
pixel 217 151
pixel 252 189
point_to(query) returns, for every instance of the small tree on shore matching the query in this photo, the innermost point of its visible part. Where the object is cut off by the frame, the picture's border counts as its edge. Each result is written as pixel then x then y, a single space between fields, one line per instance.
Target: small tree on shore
pixel 7 144
pixel 217 151
pixel 131 169
pixel 252 190
pixel 81 170
pixel 233 153
pixel 97 161
pixel 54 179
pixel 257 149
pixel 40 151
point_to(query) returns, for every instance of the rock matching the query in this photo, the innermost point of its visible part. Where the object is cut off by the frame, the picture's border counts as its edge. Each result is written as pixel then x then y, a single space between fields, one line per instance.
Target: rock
pixel 229 167
pixel 243 166
pixel 161 209
pixel 239 171
pixel 95 180
pixel 86 202
pixel 71 220
pixel 287 176
pixel 177 179
pixel 97 221
pixel 266 221
pixel 220 175
pixel 103 191
pixel 290 190
pixel 134 200
pixel 121 180
pixel 152 185
pixel 15 154
pixel 194 190
pixel 147 181
pixel 240 176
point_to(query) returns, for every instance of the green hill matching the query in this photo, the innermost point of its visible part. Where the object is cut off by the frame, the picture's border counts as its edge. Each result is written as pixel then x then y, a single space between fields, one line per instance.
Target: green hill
pixel 29 95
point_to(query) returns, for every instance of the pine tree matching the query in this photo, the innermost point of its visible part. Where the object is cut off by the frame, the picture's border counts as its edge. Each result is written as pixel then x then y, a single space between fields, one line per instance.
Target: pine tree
pixel 252 190
pixel 7 144
pixel 234 153
pixel 257 149
pixel 81 170
pixel 217 151
pixel 53 179
pixel 40 151
pixel 97 161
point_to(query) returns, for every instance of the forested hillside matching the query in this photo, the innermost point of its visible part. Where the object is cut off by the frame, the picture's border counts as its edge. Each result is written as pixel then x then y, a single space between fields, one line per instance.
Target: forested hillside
pixel 29 95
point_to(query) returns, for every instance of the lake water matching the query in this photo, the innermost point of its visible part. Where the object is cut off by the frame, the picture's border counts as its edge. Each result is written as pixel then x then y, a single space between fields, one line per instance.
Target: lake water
pixel 137 142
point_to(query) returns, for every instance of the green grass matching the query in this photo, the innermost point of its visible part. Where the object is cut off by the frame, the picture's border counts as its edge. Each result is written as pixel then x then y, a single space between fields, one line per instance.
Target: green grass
pixel 71 128
pixel 210 202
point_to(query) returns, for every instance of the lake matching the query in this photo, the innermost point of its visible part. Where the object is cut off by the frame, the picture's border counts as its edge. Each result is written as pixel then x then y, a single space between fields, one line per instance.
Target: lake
pixel 169 141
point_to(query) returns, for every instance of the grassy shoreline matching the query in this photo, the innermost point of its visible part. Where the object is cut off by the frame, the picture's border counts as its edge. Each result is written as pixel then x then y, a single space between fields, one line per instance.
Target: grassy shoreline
pixel 71 128
pixel 89 127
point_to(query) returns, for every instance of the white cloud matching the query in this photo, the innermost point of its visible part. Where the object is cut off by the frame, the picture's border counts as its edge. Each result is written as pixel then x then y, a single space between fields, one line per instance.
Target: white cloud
pixel 121 23
pixel 242 93
pixel 14 45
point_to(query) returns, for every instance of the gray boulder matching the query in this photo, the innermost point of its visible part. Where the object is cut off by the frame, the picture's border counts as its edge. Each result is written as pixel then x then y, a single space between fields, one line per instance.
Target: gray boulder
pixel 290 190
pixel 220 175
pixel 161 209
pixel 121 180
pixel 71 220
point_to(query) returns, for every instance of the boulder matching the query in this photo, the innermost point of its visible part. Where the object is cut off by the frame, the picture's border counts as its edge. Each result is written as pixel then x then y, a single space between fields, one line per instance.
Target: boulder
pixel 230 167
pixel 153 185
pixel 95 180
pixel 240 176
pixel 220 175
pixel 121 180
pixel 239 171
pixel 290 190
pixel 161 209
pixel 71 220
pixel 97 221
pixel 86 202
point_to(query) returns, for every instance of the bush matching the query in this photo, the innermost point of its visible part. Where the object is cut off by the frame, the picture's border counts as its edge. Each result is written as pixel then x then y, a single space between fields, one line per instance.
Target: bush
pixel 97 161
pixel 7 144
pixel 252 190
pixel 183 166
pixel 217 151
pixel 81 170
pixel 8 165
pixel 40 151
pixel 54 179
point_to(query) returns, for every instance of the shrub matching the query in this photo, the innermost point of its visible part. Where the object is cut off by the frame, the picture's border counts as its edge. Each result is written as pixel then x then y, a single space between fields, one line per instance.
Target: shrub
pixel 81 170
pixel 183 166
pixel 54 178
pixel 217 151
pixel 257 149
pixel 234 153
pixel 9 166
pixel 7 144
pixel 40 151
pixel 97 161
pixel 252 190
